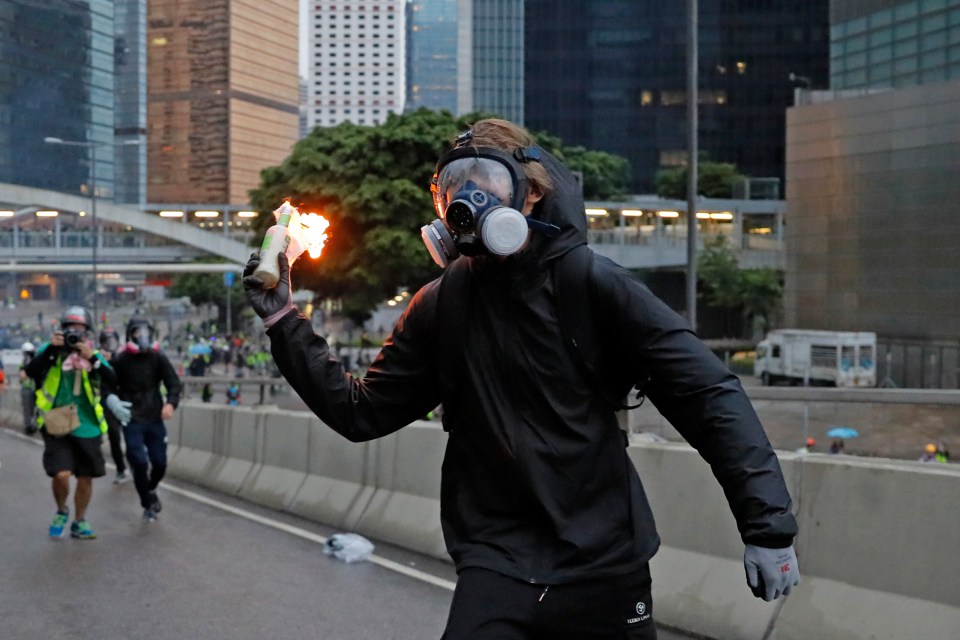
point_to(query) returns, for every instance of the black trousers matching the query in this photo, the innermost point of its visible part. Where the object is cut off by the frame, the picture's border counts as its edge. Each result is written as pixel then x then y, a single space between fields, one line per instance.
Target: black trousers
pixel 115 435
pixel 489 606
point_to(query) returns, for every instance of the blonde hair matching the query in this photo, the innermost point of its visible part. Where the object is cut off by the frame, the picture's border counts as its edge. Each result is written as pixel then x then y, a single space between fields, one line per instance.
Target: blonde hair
pixel 506 136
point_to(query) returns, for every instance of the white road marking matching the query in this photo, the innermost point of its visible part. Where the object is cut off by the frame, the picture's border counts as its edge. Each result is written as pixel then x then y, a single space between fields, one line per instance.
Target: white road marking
pixel 281 526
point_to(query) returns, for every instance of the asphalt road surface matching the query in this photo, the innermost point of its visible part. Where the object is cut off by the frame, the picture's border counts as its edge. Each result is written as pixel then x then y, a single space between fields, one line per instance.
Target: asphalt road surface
pixel 211 567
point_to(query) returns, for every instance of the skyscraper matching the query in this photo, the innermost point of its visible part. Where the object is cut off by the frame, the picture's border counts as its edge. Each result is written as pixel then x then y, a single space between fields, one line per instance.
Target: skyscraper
pixel 490 56
pixel 56 80
pixel 432 55
pixel 130 99
pixel 222 96
pixel 357 68
pixel 611 75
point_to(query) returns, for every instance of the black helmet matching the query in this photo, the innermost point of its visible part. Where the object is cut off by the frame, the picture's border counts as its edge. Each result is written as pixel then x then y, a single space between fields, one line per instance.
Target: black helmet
pixel 142 327
pixel 76 315
pixel 109 340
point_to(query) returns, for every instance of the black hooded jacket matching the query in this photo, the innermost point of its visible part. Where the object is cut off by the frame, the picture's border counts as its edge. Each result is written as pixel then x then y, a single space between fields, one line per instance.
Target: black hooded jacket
pixel 139 376
pixel 536 482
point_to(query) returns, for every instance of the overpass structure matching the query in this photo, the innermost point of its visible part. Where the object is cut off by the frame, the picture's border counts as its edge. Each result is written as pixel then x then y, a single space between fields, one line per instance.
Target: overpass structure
pixel 645 232
pixel 129 239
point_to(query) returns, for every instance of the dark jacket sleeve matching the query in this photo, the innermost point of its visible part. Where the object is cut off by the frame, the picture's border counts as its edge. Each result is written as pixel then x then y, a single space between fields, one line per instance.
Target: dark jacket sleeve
pixel 400 385
pixel 39 364
pixel 171 381
pixel 705 402
pixel 104 373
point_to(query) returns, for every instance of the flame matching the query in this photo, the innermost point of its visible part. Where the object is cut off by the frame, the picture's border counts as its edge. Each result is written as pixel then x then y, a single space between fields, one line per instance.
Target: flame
pixel 314 227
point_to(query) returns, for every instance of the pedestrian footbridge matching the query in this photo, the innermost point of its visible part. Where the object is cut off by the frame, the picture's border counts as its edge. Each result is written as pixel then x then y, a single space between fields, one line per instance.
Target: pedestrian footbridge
pixel 52 231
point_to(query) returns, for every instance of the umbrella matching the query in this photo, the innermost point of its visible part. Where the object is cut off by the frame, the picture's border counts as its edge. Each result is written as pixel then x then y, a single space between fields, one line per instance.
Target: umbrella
pixel 842 432
pixel 200 349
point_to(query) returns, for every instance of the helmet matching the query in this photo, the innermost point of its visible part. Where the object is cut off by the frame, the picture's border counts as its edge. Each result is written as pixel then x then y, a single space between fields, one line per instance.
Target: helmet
pixel 76 315
pixel 930 448
pixel 811 442
pixel 109 340
pixel 27 347
pixel 139 335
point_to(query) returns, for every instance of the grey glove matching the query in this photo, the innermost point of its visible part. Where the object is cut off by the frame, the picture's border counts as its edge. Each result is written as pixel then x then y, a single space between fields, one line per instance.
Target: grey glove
pixel 771 573
pixel 119 408
pixel 273 303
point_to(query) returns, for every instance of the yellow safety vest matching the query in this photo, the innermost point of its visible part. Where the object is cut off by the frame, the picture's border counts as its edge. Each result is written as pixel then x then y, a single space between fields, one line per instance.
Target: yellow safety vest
pixel 48 392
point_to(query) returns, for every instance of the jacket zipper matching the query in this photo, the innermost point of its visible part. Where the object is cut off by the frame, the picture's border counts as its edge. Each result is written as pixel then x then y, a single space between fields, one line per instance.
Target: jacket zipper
pixel 545 589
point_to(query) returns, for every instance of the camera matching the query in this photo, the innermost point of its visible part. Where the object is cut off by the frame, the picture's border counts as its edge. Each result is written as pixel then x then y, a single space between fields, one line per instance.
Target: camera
pixel 73 338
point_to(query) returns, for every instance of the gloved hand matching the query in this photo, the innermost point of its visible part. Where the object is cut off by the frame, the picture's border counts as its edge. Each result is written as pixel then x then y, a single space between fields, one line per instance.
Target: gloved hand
pixel 119 408
pixel 771 573
pixel 270 304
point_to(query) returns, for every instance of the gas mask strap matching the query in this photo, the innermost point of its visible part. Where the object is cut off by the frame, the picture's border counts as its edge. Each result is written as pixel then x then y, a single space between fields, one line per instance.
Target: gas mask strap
pixel 547 229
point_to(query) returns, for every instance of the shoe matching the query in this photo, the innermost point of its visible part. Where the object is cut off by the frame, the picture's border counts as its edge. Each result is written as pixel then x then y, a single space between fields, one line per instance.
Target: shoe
pixel 121 477
pixel 59 522
pixel 81 530
pixel 155 502
pixel 149 515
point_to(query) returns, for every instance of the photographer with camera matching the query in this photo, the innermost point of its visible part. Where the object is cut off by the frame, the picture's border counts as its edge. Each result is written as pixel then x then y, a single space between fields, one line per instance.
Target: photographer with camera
pixel 68 373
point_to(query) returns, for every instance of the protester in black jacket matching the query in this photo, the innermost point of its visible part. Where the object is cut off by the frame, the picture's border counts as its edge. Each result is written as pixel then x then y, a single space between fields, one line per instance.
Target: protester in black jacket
pixel 537 489
pixel 141 369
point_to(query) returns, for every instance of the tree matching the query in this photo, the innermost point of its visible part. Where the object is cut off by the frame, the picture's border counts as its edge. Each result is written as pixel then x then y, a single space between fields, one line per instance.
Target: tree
pixel 209 288
pixel 756 292
pixel 605 176
pixel 714 180
pixel 371 183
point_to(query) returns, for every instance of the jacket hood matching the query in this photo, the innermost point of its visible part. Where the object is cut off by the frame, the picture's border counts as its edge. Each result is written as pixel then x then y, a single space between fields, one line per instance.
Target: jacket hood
pixel 563 207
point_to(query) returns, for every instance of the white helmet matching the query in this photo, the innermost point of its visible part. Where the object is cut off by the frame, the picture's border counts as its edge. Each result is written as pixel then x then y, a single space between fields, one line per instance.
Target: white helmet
pixel 27 347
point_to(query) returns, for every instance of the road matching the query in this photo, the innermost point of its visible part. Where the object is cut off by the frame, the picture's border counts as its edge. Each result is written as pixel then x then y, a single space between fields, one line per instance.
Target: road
pixel 212 567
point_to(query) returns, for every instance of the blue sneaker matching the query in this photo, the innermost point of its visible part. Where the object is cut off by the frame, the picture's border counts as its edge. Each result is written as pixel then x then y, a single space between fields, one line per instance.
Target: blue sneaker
pixel 59 522
pixel 81 530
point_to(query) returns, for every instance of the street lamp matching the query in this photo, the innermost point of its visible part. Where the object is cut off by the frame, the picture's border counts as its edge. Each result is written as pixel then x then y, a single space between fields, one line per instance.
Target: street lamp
pixel 93 200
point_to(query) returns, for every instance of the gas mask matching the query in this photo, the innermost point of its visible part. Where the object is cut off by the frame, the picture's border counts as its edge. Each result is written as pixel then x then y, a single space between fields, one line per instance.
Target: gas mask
pixel 140 338
pixel 478 193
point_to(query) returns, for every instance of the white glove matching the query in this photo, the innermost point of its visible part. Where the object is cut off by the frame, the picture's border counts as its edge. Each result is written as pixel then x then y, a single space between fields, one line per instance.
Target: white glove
pixel 119 408
pixel 771 573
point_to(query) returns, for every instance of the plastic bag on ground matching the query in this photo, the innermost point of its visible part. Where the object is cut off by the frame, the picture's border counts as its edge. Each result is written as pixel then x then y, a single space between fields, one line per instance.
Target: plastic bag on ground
pixel 348 547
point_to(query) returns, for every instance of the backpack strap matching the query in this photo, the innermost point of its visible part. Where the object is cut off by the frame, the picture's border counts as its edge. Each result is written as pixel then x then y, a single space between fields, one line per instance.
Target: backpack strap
pixel 454 302
pixel 578 304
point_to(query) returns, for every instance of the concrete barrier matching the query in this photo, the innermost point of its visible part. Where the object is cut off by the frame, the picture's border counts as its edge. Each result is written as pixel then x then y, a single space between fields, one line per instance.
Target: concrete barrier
pixel 877 545
pixel 340 480
pixel 405 508
pixel 282 460
pixel 235 451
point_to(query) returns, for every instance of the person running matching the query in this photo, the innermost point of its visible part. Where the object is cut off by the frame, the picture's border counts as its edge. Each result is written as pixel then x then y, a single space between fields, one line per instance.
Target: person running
pixel 69 374
pixel 141 370
pixel 109 343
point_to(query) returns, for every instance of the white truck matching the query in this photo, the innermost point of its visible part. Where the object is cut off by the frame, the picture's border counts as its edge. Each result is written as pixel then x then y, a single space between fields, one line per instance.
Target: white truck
pixel 821 358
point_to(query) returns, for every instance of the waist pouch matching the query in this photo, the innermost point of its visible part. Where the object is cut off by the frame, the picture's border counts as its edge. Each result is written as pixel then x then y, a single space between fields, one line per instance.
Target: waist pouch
pixel 61 421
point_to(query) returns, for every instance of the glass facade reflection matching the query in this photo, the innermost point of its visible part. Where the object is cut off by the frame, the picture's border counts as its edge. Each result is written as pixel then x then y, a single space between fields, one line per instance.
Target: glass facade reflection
pixel 612 76
pixel 56 80
pixel 130 99
pixel 491 56
pixel 891 43
pixel 432 55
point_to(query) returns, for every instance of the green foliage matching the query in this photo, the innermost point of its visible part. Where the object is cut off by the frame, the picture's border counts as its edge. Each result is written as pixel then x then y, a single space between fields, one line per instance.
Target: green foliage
pixel 372 184
pixel 757 292
pixel 714 180
pixel 204 288
pixel 605 176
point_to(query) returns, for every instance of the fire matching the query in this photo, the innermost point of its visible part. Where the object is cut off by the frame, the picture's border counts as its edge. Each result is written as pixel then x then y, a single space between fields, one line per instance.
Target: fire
pixel 314 227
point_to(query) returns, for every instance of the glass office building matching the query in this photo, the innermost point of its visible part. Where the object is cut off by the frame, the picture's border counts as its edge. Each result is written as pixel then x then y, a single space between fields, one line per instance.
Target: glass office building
pixel 432 55
pixel 611 75
pixel 891 43
pixel 130 99
pixel 56 80
pixel 490 56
